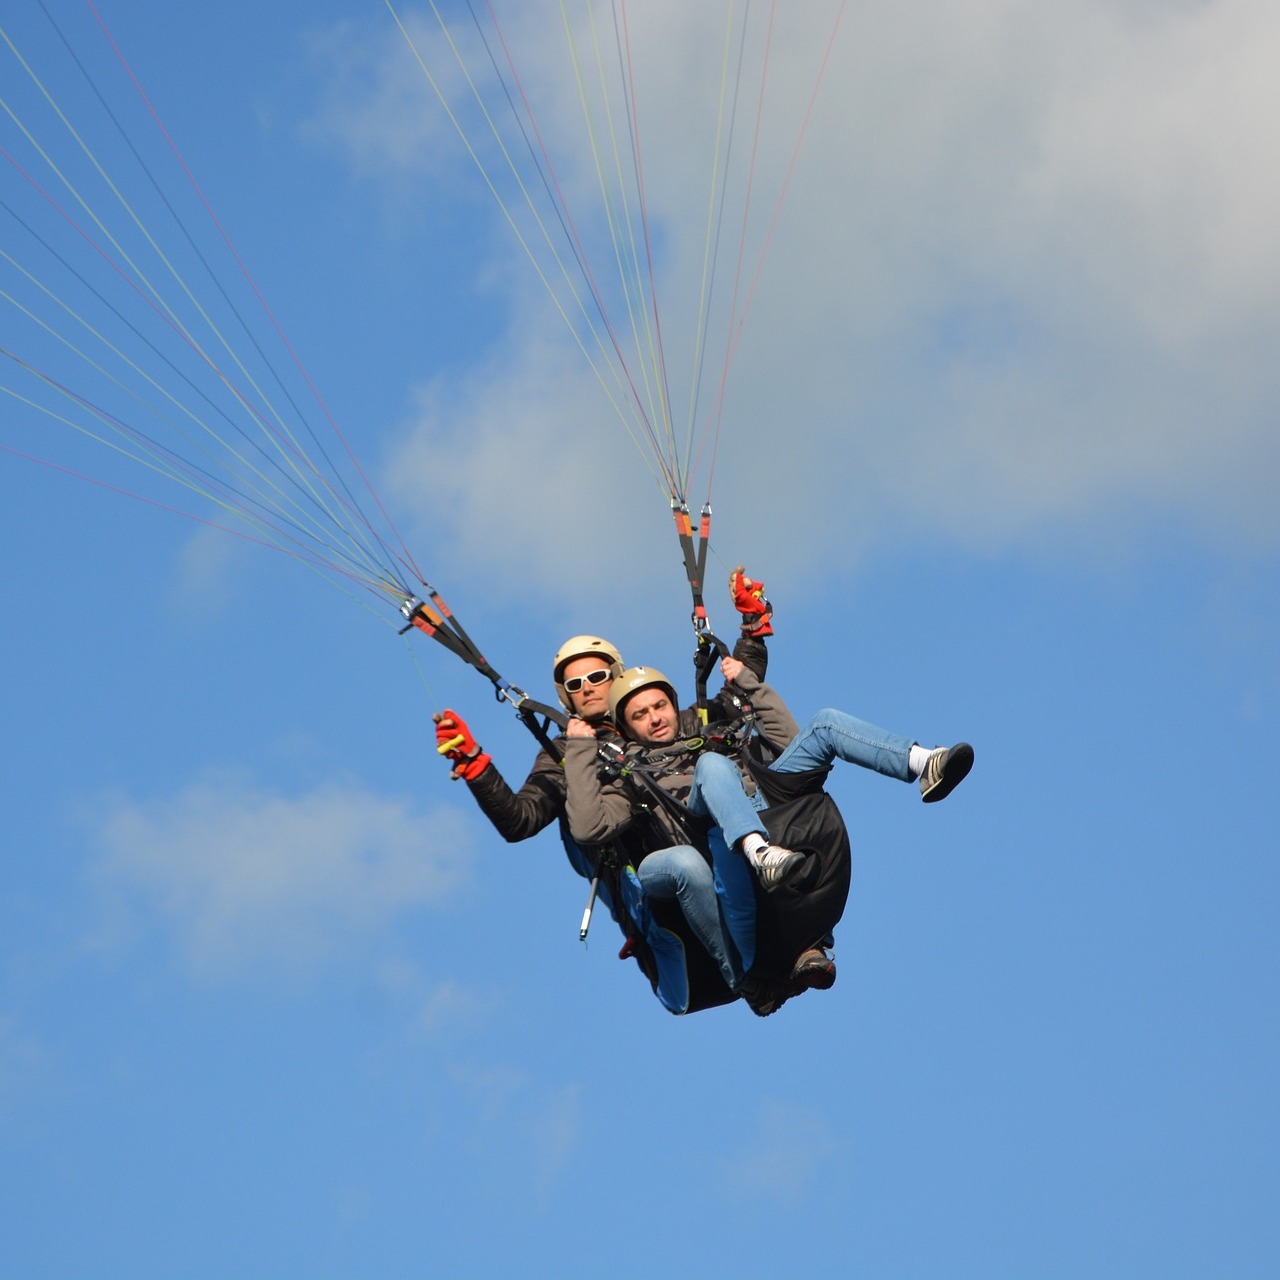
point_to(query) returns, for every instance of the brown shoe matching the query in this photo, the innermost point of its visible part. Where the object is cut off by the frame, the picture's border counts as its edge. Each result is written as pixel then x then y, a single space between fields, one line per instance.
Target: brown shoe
pixel 765 995
pixel 814 969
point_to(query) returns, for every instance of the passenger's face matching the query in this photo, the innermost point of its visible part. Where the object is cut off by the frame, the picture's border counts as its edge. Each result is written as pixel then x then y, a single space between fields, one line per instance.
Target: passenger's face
pixel 590 700
pixel 650 718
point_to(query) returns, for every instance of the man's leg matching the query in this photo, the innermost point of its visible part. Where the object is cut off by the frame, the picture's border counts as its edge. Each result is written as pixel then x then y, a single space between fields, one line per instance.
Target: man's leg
pixel 833 735
pixel 682 873
pixel 736 892
pixel 718 793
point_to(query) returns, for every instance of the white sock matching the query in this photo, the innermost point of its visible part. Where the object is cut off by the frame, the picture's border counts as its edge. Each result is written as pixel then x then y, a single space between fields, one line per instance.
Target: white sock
pixel 752 843
pixel 917 758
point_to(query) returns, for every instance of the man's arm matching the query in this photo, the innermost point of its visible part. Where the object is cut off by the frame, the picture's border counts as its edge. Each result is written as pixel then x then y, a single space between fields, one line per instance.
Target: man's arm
pixel 597 810
pixel 753 606
pixel 750 649
pixel 775 721
pixel 516 815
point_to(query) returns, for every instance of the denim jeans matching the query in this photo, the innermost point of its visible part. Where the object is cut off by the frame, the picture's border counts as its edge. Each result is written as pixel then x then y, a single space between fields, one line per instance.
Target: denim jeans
pixel 833 734
pixel 718 901
pixel 718 793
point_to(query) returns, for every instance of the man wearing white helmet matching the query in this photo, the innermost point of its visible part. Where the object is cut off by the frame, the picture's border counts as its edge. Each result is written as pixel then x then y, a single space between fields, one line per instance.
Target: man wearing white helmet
pixel 582 671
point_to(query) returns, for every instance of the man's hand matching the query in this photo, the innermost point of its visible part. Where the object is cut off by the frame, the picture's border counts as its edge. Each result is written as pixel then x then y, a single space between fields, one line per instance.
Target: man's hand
pixel 731 669
pixel 579 728
pixel 750 601
pixel 454 740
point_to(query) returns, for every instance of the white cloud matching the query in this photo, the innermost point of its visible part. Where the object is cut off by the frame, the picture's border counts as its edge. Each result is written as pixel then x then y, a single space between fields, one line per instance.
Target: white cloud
pixel 249 878
pixel 378 104
pixel 436 1009
pixel 532 1131
pixel 783 1155
pixel 1027 275
pixel 208 567
pixel 523 447
pixel 25 1066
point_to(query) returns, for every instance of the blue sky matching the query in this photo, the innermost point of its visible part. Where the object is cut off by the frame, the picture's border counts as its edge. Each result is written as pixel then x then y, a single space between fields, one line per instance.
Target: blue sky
pixel 1000 439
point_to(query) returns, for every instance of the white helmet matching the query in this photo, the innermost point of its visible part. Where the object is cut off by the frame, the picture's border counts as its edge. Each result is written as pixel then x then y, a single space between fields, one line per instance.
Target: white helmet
pixel 582 647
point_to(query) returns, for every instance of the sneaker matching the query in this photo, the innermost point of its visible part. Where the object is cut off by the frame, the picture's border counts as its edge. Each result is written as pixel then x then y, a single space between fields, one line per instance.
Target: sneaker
pixel 814 969
pixel 774 864
pixel 946 769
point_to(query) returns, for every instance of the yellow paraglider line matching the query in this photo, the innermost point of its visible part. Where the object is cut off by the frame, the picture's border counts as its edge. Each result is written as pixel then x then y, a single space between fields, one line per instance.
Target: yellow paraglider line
pixel 738 321
pixel 624 211
pixel 626 257
pixel 148 454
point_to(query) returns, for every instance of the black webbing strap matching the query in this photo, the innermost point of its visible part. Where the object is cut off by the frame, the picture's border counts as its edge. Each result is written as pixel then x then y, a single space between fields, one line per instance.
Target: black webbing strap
pixel 710 646
pixel 695 555
pixel 434 618
pixel 642 778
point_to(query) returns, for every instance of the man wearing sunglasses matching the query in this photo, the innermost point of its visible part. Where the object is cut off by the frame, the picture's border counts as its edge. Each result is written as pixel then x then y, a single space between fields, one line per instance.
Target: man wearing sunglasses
pixel 582 671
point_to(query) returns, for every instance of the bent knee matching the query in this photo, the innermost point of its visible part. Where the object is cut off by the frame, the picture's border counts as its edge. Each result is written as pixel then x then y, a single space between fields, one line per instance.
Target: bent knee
pixel 712 763
pixel 668 868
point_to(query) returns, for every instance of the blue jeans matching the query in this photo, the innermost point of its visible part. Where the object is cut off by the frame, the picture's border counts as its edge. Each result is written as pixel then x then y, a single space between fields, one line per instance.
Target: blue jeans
pixel 718 792
pixel 718 901
pixel 833 734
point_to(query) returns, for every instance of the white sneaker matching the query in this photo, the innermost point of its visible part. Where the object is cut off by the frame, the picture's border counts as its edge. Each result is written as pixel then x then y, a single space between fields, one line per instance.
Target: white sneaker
pixel 946 769
pixel 774 864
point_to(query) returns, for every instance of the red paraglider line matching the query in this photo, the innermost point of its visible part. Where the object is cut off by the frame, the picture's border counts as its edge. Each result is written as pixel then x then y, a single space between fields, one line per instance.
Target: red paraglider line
pixel 315 561
pixel 405 557
pixel 716 412
pixel 580 251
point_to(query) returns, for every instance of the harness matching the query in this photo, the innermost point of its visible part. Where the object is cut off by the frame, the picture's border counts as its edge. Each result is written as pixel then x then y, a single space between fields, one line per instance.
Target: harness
pixel 658 763
pixel 794 916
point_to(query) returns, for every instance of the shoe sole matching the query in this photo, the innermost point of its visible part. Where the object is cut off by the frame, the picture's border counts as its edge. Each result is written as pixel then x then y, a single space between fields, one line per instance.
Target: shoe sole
pixel 954 772
pixel 817 977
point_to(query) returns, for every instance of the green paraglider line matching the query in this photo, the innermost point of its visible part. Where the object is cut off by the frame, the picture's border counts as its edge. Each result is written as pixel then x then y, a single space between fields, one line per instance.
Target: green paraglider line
pixel 317 504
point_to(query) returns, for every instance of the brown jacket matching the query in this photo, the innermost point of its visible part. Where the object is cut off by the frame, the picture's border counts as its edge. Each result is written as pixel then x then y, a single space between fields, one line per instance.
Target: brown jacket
pixel 600 808
pixel 517 815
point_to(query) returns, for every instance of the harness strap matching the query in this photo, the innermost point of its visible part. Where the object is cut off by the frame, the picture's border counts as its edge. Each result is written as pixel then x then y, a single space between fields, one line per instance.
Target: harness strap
pixel 695 558
pixel 436 619
pixel 710 646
